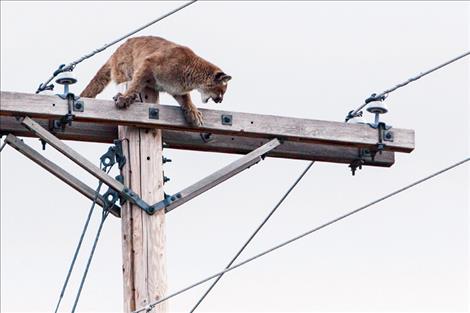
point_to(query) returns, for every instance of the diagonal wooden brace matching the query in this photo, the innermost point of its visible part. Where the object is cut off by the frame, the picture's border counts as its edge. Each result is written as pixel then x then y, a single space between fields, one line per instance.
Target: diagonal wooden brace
pixel 216 178
pixel 60 173
pixel 124 191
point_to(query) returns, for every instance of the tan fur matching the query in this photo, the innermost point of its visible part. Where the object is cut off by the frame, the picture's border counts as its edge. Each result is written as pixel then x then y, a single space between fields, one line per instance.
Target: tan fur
pixel 161 64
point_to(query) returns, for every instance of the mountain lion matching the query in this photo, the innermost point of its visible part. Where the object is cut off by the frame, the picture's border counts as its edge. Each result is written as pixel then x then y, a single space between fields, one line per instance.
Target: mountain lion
pixel 165 66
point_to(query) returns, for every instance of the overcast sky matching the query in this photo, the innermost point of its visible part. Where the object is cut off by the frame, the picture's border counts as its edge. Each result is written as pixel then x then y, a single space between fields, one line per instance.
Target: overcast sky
pixel 303 59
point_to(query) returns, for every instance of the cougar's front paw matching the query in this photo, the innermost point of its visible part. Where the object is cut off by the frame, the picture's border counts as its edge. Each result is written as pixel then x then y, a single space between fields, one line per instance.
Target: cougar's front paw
pixel 123 102
pixel 194 117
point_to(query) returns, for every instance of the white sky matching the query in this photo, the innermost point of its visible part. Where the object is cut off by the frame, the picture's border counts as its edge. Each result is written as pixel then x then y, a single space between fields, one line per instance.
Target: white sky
pixel 303 59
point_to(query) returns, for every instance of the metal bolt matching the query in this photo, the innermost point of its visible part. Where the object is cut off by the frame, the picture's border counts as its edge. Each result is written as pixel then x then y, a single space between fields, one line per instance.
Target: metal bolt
pixel 78 105
pixel 207 137
pixel 226 119
pixel 154 113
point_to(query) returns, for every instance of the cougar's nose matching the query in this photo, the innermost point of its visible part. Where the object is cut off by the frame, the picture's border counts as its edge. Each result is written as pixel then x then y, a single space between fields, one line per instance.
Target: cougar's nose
pixel 218 99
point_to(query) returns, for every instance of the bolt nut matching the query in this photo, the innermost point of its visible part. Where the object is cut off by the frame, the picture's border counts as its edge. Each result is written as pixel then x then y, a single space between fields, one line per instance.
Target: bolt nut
pixel 78 106
pixel 154 113
pixel 388 136
pixel 226 119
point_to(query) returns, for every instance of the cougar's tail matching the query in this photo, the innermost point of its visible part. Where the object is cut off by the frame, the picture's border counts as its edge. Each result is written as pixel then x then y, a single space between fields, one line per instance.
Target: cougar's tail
pixel 98 83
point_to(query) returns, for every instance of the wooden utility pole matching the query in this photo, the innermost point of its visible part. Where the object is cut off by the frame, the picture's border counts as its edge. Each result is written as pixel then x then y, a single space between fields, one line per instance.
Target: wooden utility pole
pixel 147 125
pixel 143 235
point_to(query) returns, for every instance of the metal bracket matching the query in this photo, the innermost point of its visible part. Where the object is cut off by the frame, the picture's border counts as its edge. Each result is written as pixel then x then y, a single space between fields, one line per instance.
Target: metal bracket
pixel 134 198
pixel 384 134
pixel 360 161
pixel 111 196
pixel 113 155
pixel 382 128
pixel 73 105
pixel 170 199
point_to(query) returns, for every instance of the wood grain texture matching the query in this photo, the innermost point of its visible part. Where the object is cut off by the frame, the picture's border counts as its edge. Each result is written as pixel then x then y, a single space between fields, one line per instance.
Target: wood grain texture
pixel 72 154
pixel 243 124
pixel 79 131
pixel 219 143
pixel 126 223
pixel 143 235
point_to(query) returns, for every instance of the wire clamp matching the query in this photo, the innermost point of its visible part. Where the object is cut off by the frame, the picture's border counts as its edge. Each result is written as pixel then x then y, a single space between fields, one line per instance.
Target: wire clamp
pixel 114 155
pixel 111 196
pixel 356 164
pixel 358 113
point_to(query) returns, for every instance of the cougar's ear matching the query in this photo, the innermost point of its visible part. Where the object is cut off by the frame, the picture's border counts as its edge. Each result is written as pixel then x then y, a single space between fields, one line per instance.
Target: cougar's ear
pixel 222 77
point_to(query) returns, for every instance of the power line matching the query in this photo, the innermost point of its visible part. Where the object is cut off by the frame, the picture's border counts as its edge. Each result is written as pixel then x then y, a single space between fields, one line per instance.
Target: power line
pixel 152 305
pixel 384 94
pixel 77 249
pixel 79 245
pixel 104 215
pixel 71 66
pixel 254 234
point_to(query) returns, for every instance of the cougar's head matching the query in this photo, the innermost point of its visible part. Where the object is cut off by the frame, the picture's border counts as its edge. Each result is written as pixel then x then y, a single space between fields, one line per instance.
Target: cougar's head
pixel 215 87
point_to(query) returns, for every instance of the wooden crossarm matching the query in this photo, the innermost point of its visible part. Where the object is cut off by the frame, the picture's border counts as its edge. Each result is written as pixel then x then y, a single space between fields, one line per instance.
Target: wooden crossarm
pixel 215 122
pixel 174 139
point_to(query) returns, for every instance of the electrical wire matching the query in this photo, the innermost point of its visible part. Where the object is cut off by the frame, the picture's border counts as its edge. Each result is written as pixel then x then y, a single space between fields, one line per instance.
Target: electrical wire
pixel 384 94
pixel 104 215
pixel 71 66
pixel 152 305
pixel 254 233
pixel 79 245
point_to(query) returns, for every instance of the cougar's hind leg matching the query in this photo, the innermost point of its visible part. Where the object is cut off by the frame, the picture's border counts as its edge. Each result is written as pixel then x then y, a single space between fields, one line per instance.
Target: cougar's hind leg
pixel 192 115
